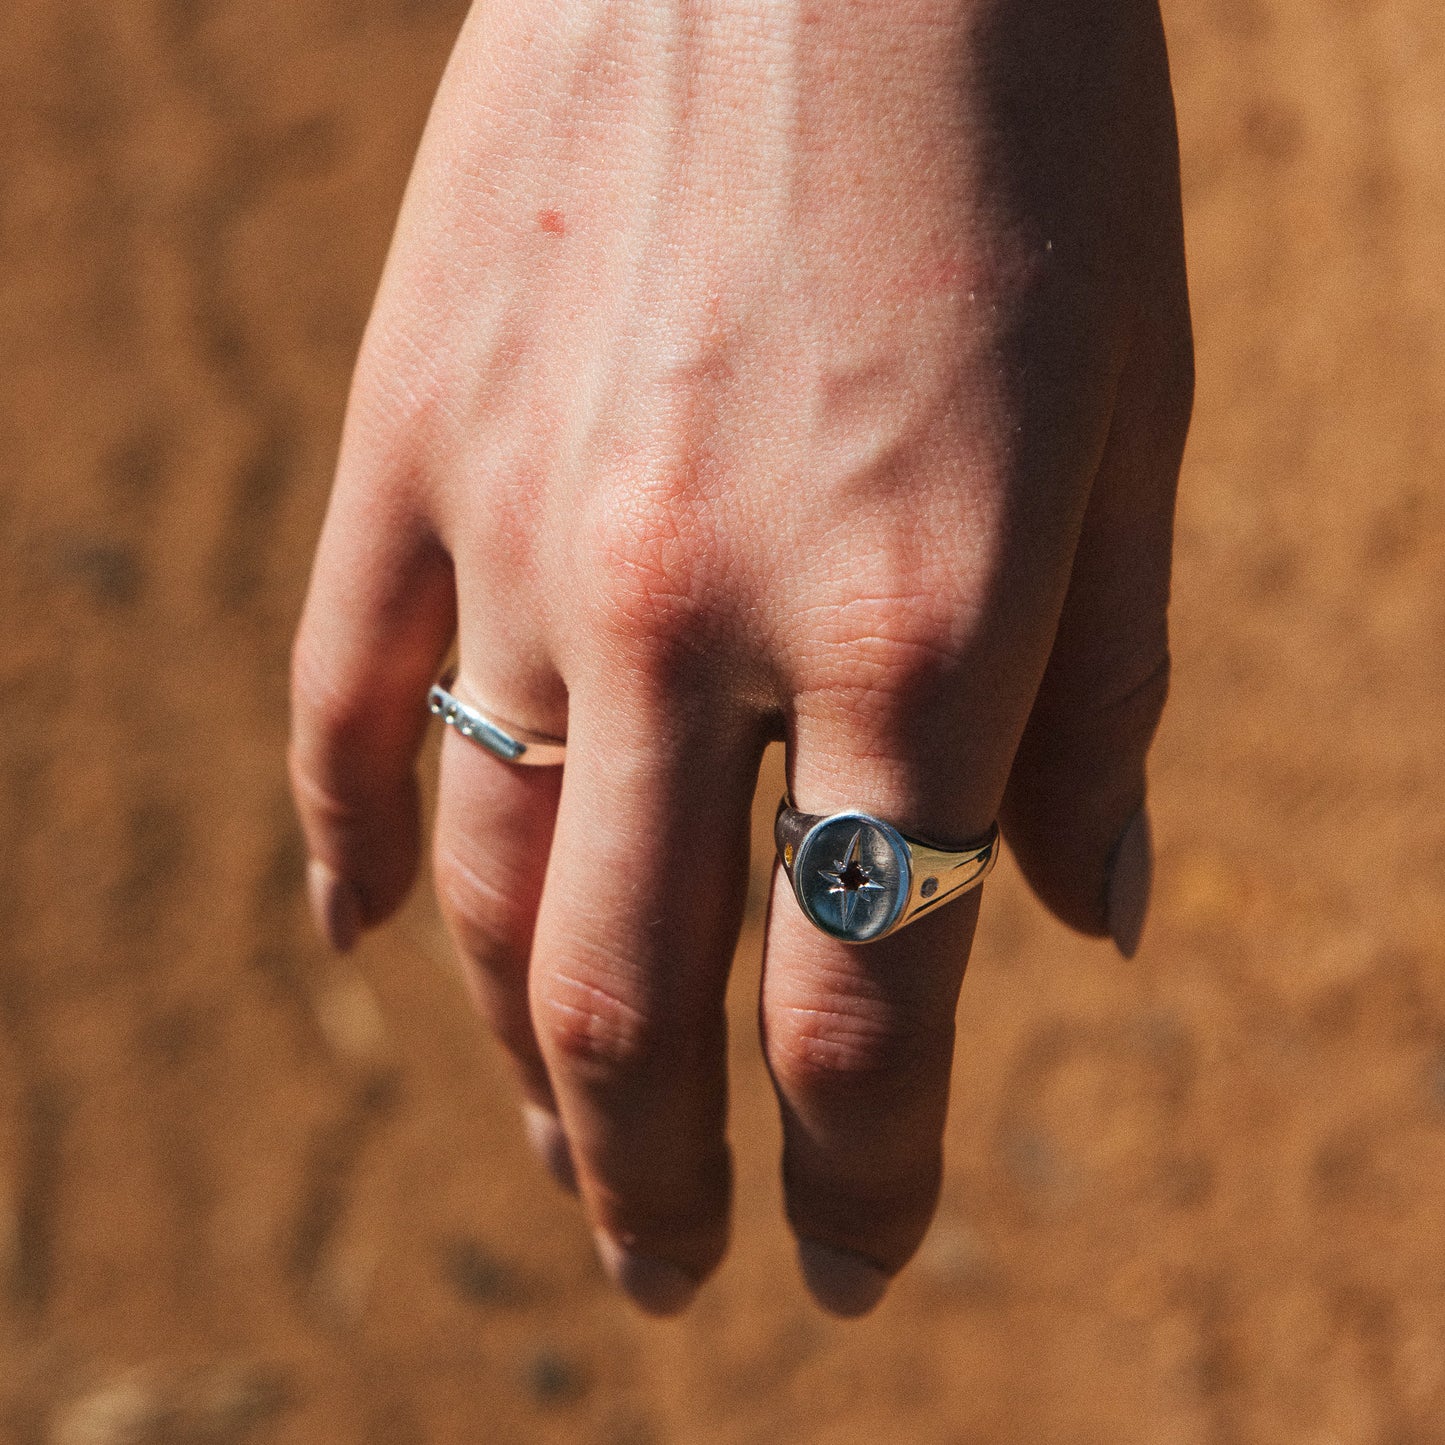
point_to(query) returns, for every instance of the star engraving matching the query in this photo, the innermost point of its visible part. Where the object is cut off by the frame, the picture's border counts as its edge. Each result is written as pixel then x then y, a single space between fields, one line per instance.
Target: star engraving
pixel 850 878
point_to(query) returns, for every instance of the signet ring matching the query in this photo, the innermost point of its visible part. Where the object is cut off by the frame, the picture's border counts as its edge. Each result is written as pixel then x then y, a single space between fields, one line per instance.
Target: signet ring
pixel 858 879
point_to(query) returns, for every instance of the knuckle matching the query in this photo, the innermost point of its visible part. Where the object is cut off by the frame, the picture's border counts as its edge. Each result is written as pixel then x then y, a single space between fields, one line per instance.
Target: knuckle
pixel 333 735
pixel 909 642
pixel 1074 745
pixel 646 550
pixel 486 919
pixel 1121 674
pixel 333 790
pixel 904 605
pixel 1139 711
pixel 330 789
pixel 326 711
pixel 1131 711
pixel 588 1023
pixel 888 653
pixel 842 1050
pixel 320 799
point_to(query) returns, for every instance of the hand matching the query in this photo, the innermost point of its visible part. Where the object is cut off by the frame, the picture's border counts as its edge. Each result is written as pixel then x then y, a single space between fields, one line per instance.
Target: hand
pixel 750 370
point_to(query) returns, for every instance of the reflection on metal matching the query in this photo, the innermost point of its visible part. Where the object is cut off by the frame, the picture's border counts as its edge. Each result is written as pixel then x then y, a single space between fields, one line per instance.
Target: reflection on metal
pixel 858 878
pixel 511 744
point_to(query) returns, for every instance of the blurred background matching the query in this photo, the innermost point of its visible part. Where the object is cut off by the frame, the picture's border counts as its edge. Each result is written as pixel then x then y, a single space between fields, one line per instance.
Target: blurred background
pixel 248 1193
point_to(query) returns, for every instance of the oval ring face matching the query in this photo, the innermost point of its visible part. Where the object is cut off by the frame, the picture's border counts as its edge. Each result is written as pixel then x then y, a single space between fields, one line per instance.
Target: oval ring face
pixel 852 876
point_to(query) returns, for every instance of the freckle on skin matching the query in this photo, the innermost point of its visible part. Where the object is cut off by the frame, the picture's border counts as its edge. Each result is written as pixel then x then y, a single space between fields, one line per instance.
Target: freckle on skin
pixel 554 223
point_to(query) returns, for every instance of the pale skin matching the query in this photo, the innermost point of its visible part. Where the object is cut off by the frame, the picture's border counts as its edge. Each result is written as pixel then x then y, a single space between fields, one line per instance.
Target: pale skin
pixel 754 369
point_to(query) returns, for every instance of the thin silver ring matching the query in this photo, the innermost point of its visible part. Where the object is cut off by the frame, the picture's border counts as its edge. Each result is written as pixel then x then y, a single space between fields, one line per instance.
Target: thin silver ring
pixel 858 879
pixel 504 740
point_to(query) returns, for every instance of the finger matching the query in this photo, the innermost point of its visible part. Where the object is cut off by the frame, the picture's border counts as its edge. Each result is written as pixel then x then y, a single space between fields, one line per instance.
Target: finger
pixel 640 915
pixel 1074 810
pixel 859 1039
pixel 378 619
pixel 493 834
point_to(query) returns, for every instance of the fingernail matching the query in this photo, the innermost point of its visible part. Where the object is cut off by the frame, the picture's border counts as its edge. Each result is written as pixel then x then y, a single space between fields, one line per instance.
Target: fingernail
pixel 549 1144
pixel 1131 875
pixel 654 1286
pixel 842 1282
pixel 334 905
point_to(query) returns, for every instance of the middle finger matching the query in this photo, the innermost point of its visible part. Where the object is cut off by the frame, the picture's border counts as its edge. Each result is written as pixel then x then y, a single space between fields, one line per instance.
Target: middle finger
pixel 639 917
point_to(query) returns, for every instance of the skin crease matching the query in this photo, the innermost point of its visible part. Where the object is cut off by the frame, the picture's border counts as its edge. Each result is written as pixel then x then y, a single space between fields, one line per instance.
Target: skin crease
pixel 748 370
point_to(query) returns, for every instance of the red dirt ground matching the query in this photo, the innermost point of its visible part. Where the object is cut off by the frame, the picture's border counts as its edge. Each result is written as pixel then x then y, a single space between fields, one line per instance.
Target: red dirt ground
pixel 247 1193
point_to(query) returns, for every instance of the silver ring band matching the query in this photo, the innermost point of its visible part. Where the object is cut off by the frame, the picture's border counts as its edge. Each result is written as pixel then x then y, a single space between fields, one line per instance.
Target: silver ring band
pixel 858 879
pixel 502 739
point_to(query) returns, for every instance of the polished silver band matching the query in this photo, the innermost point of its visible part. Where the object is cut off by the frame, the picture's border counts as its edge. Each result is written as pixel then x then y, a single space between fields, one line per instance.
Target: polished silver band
pixel 506 741
pixel 858 878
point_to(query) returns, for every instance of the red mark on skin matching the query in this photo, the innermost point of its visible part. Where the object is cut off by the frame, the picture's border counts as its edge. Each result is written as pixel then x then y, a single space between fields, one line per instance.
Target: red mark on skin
pixel 940 267
pixel 554 223
pixel 944 274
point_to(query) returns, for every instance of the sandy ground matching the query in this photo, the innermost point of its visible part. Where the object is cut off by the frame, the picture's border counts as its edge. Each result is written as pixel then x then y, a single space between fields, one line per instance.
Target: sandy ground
pixel 250 1194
